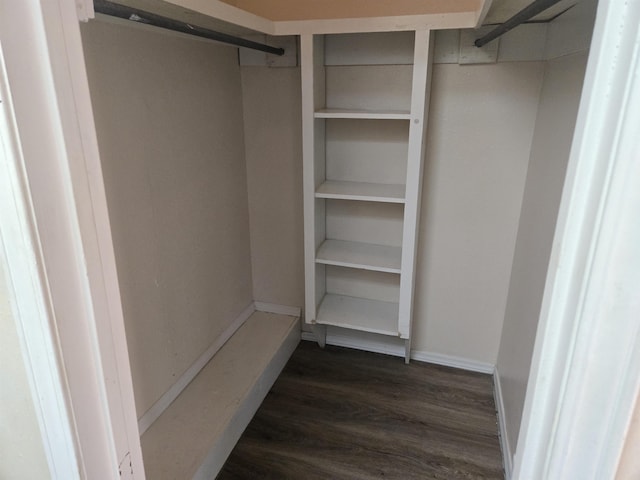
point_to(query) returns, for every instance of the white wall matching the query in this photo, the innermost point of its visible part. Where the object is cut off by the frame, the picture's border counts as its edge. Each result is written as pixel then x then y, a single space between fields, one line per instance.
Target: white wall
pixel 168 112
pixel 549 155
pixel 22 455
pixel 479 135
pixel 273 145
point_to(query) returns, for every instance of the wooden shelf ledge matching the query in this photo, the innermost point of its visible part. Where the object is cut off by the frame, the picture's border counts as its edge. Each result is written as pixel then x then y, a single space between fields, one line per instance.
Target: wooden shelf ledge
pixel 194 436
pixel 363 114
pixel 368 192
pixel 359 314
pixel 366 256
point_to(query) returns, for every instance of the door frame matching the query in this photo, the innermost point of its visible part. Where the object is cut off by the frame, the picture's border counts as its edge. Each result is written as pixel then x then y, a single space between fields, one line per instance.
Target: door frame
pixel 58 247
pixel 20 263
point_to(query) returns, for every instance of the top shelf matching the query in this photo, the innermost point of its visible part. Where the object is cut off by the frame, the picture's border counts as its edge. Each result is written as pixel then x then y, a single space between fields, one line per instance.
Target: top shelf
pixel 373 48
pixel 363 114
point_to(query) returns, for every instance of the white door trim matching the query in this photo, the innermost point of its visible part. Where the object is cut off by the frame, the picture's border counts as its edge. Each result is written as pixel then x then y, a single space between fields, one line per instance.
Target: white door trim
pixel 585 373
pixel 59 175
pixel 26 282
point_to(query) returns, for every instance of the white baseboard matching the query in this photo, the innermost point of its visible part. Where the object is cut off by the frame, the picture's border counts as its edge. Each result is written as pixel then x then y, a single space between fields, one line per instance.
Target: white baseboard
pixel 170 395
pixel 502 426
pixel 453 361
pixel 308 336
pixel 279 309
pixel 395 346
pixel 361 341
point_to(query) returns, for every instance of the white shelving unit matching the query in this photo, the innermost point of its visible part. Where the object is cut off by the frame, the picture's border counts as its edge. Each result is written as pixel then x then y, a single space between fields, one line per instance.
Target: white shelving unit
pixel 364 121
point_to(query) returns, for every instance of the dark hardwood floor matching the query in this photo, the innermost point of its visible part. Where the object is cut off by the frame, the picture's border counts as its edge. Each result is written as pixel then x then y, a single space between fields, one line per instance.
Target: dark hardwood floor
pixel 345 414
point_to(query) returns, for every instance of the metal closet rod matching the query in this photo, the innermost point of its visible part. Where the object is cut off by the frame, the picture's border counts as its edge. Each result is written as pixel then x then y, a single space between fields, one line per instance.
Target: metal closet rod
pixel 523 15
pixel 116 10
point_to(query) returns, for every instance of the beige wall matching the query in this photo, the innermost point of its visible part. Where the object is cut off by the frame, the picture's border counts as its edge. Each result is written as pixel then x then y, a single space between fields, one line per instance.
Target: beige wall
pixel 22 455
pixel 549 156
pixel 273 144
pixel 480 129
pixel 555 123
pixel 168 112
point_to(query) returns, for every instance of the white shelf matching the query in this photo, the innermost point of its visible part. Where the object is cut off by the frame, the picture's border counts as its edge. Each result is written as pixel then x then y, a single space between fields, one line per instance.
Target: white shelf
pixel 370 192
pixel 359 314
pixel 366 256
pixel 363 114
pixel 206 420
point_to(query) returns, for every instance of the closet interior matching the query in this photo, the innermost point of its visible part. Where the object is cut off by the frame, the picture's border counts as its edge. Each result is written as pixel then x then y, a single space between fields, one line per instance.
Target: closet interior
pixel 384 185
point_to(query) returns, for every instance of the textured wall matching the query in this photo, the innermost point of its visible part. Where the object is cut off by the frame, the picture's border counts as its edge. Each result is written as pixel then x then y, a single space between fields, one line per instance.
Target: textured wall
pixel 273 144
pixel 567 47
pixel 545 179
pixel 479 136
pixel 168 113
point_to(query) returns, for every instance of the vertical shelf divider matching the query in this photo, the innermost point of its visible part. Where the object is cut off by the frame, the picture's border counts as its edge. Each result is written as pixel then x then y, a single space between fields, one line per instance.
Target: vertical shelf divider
pixel 313 94
pixel 423 52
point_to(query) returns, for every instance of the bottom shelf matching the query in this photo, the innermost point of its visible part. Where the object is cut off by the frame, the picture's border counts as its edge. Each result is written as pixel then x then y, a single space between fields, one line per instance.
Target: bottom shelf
pixel 359 314
pixel 195 434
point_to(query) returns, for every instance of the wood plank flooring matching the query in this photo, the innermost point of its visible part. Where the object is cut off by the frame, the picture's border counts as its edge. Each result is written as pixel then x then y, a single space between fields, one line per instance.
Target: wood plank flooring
pixel 345 414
